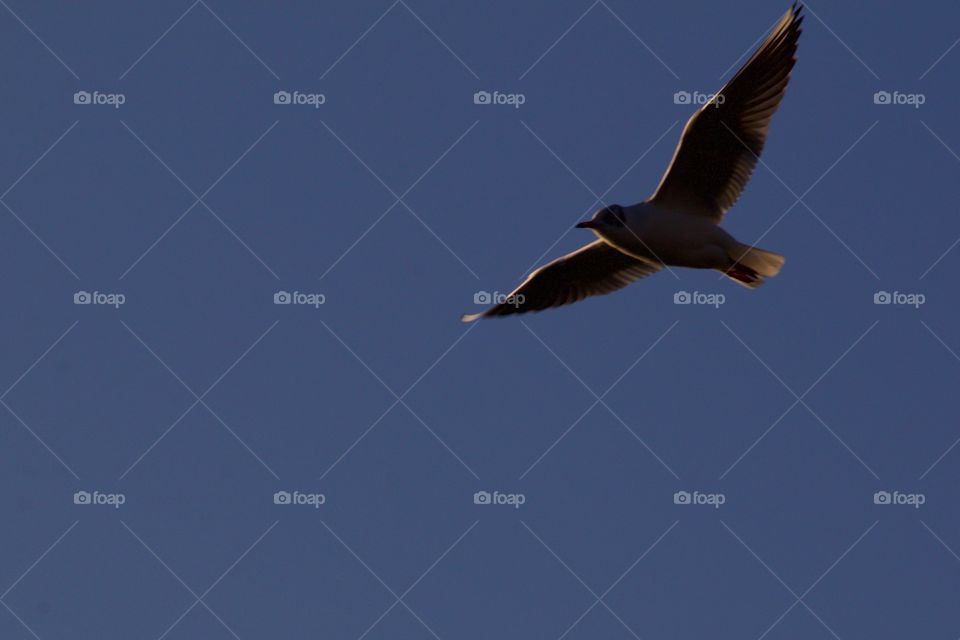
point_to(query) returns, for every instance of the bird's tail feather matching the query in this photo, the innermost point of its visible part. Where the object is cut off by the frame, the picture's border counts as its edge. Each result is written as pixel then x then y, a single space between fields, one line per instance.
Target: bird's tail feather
pixel 751 265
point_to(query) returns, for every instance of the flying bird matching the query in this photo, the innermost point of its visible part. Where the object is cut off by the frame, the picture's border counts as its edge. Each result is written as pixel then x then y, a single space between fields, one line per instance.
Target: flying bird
pixel 679 225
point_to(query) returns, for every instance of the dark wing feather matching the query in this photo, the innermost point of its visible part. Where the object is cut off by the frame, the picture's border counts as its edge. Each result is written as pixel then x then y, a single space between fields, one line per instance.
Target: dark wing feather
pixel 592 270
pixel 722 141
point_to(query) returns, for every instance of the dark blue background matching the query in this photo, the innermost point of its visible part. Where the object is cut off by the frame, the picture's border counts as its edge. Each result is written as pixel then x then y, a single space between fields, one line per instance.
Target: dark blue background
pixel 384 402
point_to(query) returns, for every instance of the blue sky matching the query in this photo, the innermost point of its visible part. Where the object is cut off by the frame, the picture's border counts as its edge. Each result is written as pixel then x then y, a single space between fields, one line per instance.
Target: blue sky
pixel 159 194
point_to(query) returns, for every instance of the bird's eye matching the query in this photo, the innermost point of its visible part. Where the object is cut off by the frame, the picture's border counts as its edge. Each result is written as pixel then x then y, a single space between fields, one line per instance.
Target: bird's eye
pixel 615 215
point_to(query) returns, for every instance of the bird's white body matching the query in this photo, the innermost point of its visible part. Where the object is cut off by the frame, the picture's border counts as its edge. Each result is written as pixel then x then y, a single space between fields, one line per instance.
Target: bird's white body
pixel 672 238
pixel 679 224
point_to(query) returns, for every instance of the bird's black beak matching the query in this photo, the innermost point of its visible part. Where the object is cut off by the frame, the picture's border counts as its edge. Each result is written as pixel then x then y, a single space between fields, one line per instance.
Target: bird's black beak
pixel 586 224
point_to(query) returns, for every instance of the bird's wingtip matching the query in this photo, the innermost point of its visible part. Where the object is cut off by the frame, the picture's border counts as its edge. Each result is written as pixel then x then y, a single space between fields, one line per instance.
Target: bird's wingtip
pixel 470 317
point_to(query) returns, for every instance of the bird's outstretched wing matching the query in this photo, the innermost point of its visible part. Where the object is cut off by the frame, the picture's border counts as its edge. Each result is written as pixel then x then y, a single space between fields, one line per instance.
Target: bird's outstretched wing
pixel 722 141
pixel 592 270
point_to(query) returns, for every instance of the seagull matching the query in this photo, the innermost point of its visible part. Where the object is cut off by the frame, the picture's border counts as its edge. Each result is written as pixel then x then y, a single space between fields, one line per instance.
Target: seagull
pixel 679 225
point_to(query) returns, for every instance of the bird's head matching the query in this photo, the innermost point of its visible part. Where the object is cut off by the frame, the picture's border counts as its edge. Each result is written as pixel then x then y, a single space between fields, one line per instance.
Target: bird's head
pixel 605 219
